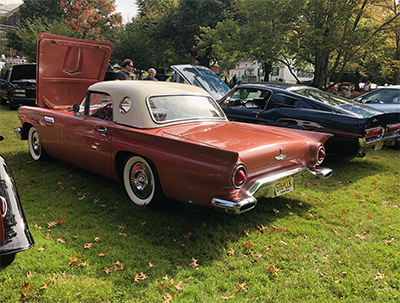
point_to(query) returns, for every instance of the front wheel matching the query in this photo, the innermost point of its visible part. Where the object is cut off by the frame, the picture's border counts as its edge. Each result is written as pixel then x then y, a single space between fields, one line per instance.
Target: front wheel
pixel 141 182
pixel 35 146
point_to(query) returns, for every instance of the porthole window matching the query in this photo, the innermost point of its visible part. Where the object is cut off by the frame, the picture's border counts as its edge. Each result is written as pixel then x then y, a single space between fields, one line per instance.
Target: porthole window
pixel 125 105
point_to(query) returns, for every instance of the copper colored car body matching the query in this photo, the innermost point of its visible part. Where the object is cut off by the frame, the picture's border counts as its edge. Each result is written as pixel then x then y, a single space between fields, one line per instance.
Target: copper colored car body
pixel 159 139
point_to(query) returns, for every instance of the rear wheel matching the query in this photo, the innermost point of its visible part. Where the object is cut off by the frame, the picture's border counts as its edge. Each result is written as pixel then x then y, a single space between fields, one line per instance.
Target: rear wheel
pixel 141 182
pixel 35 146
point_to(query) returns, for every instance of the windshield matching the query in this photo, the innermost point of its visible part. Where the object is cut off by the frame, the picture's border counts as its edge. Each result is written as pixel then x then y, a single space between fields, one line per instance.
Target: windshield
pixel 204 78
pixel 334 100
pixel 170 108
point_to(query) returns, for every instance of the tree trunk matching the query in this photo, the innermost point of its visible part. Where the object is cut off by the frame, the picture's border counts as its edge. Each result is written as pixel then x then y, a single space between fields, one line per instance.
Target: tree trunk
pixel 321 69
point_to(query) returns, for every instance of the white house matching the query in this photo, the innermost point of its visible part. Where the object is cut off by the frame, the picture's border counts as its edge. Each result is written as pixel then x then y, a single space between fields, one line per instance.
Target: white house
pixel 251 71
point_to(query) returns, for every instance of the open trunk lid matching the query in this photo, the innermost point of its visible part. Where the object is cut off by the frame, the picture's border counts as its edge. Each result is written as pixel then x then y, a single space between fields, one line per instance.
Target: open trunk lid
pixel 66 67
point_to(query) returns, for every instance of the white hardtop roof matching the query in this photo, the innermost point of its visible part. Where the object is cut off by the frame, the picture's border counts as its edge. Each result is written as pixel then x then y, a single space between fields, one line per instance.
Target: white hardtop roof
pixel 139 91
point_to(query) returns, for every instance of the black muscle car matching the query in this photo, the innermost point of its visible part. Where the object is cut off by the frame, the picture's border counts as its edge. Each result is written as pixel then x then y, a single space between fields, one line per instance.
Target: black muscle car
pixel 354 127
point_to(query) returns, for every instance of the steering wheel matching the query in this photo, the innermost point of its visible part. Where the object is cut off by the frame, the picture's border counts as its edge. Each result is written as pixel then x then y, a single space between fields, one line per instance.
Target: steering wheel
pixel 104 113
pixel 376 101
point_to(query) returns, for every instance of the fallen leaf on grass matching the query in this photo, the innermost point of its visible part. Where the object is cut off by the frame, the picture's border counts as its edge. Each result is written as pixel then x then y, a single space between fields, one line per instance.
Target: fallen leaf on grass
pixel 107 270
pixel 118 266
pixel 240 287
pixel 379 275
pixel 28 275
pixel 248 244
pixel 140 277
pixel 389 242
pixel 228 297
pixel 168 297
pixel 73 260
pixel 60 240
pixel 178 286
pixel 369 216
pixel 359 236
pixel 26 288
pixel 231 252
pixel 88 245
pixel 44 286
pixel 194 263
pixel 101 254
pixel 282 242
pixel 82 264
pixel 272 269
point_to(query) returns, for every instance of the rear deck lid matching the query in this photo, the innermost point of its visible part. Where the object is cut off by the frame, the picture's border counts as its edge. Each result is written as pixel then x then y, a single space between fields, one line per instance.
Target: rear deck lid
pixel 66 67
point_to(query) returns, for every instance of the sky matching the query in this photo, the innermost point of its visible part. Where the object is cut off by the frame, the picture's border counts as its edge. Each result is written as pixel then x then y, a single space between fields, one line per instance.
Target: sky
pixel 127 8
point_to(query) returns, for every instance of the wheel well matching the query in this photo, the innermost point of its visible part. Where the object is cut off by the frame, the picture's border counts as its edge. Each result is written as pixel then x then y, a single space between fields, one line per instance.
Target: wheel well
pixel 25 130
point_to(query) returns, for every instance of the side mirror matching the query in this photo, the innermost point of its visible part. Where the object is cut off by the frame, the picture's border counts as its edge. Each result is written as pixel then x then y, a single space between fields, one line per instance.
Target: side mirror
pixel 76 108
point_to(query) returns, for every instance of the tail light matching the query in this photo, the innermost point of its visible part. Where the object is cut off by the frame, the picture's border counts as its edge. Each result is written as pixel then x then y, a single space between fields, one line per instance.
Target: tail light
pixel 374 132
pixel 239 176
pixel 393 128
pixel 320 155
pixel 3 206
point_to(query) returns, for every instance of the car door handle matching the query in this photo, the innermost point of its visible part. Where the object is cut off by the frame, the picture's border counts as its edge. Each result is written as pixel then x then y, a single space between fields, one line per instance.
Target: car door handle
pixel 103 130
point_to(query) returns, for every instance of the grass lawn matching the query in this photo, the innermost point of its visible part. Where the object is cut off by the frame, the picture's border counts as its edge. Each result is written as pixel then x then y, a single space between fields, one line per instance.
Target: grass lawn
pixel 328 241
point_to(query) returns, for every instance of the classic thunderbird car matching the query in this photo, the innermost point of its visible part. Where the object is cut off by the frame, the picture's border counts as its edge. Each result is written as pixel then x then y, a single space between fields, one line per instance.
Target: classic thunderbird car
pixel 160 139
pixel 354 127
pixel 15 235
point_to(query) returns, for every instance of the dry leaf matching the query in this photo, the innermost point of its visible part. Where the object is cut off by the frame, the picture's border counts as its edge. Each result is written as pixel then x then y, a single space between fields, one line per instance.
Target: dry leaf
pixel 150 264
pixel 97 239
pixel 88 245
pixel 54 279
pixel 179 286
pixel 248 244
pixel 118 266
pixel 168 297
pixel 231 252
pixel 26 288
pixel 60 240
pixel 228 297
pixel 44 286
pixel 28 275
pixel 379 275
pixel 73 260
pixel 41 249
pixel 107 270
pixel 101 254
pixel 272 269
pixel 240 287
pixel 194 263
pixel 139 277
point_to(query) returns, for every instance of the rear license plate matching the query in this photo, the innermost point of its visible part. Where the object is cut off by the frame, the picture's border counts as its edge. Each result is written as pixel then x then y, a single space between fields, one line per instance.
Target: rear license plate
pixel 19 95
pixel 378 146
pixel 20 91
pixel 284 185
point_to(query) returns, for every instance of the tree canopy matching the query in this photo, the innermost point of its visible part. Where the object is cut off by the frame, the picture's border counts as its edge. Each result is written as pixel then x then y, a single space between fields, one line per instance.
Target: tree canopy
pixel 332 36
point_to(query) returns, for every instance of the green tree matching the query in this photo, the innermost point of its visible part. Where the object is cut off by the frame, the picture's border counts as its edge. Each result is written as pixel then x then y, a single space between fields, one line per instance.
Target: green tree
pixel 27 35
pixel 46 10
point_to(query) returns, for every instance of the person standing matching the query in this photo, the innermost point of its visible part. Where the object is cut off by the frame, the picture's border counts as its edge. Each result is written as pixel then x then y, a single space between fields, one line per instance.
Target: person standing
pixel 151 76
pixel 127 67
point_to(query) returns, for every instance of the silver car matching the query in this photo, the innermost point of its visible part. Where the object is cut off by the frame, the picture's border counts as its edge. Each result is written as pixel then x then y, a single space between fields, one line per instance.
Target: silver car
pixel 386 98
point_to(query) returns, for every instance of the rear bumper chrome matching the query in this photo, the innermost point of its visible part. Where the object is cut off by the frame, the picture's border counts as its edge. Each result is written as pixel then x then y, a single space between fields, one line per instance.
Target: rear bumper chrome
pixel 267 186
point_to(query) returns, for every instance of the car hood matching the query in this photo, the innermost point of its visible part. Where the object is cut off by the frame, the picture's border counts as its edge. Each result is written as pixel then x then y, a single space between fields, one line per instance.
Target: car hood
pixel 203 77
pixel 23 72
pixel 66 67
pixel 251 142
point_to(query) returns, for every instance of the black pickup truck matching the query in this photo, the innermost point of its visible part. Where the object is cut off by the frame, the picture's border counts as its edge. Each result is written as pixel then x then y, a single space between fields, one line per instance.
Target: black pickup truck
pixel 18 85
